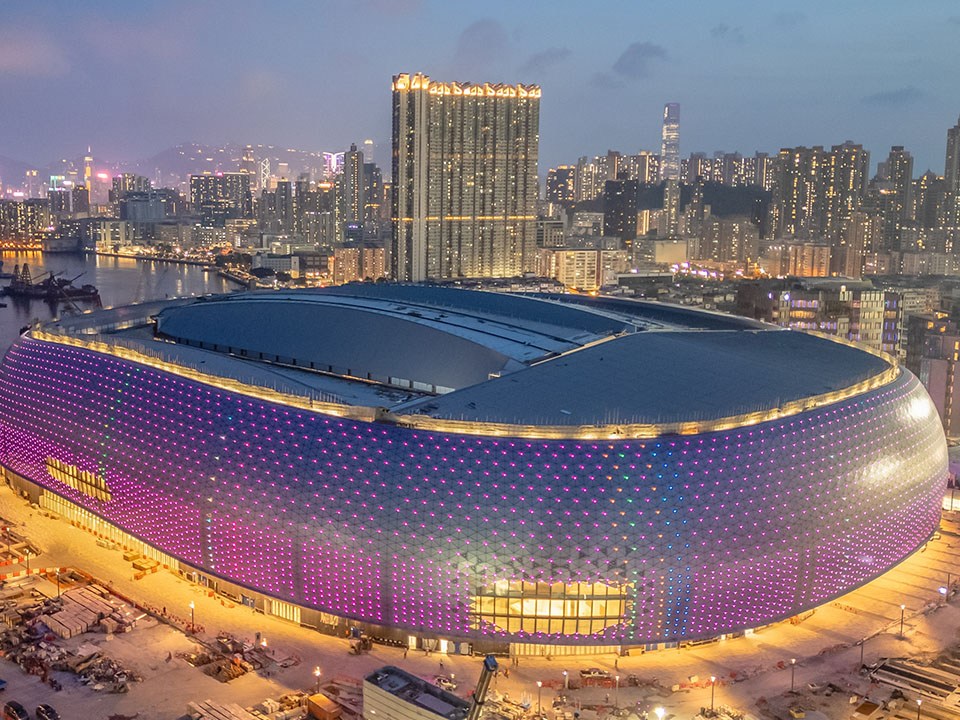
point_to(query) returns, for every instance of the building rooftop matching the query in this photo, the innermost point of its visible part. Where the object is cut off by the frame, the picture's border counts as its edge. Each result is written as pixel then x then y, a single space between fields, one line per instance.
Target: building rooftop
pixel 420 352
pixel 419 692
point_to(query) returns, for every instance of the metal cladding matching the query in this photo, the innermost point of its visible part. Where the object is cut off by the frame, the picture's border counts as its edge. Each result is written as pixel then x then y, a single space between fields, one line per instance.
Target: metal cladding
pixel 484 537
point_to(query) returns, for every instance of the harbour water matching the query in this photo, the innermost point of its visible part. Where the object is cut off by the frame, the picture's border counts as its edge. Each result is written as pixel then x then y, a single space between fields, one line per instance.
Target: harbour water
pixel 121 281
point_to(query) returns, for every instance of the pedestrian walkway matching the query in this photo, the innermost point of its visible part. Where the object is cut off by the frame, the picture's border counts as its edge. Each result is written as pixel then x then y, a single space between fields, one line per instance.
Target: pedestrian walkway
pixel 825 643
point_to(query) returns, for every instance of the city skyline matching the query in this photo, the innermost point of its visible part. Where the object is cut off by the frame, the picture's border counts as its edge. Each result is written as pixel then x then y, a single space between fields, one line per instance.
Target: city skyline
pixel 604 81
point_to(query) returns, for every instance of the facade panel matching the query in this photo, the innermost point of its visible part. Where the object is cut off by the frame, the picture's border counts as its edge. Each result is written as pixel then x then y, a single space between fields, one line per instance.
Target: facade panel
pixel 509 539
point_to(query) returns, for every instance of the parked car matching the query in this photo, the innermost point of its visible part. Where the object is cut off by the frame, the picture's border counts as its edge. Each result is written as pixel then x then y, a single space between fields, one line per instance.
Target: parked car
pixel 3 684
pixel 594 673
pixel 45 712
pixel 446 683
pixel 15 711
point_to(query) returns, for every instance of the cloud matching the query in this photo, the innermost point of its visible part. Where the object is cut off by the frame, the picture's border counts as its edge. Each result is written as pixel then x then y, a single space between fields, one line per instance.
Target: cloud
pixel 725 32
pixel 481 44
pixel 29 54
pixel 634 62
pixel 789 19
pixel 606 81
pixel 545 60
pixel 894 98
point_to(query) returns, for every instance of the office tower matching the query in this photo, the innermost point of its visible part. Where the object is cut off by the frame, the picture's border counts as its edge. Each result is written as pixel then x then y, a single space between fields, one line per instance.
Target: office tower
pixel 352 197
pixel 670 143
pixel 247 164
pixel 80 200
pixel 620 210
pixel 368 151
pixel 264 174
pixel 332 164
pixel 671 207
pixel 951 177
pixel 88 169
pixel 560 184
pixel 464 178
pixel 897 197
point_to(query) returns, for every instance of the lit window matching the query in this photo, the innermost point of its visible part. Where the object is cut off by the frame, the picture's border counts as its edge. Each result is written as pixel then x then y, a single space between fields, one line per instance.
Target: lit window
pixel 558 608
pixel 90 484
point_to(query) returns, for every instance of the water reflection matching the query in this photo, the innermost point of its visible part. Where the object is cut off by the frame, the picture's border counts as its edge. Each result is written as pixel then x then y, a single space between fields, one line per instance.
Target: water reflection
pixel 121 281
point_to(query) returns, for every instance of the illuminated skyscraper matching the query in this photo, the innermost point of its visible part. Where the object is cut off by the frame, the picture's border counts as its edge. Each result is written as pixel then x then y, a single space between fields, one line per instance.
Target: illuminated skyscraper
pixel 951 176
pixel 368 151
pixel 88 169
pixel 247 164
pixel 897 197
pixel 352 198
pixel 670 143
pixel 464 178
pixel 264 174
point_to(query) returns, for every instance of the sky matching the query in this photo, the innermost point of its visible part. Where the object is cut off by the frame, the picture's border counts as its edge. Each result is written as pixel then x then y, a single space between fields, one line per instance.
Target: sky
pixel 132 78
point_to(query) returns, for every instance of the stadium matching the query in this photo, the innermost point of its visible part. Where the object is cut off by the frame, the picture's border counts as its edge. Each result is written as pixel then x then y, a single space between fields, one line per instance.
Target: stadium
pixel 478 471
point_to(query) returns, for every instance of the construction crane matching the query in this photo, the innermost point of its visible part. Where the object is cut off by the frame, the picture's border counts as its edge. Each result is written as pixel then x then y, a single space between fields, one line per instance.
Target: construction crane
pixel 487 672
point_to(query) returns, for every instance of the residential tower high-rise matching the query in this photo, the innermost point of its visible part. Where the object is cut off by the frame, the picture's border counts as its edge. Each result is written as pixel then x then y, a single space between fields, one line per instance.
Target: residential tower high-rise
pixel 670 143
pixel 464 178
pixel 951 176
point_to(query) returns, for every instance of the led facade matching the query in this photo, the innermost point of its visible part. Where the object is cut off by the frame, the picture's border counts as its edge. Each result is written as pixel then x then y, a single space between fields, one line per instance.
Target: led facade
pixel 490 538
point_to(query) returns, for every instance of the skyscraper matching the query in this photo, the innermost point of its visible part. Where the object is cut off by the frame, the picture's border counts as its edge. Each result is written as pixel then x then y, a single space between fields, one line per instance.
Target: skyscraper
pixel 951 176
pixel 670 143
pixel 368 151
pixel 897 197
pixel 560 184
pixel 464 178
pixel 352 198
pixel 620 210
pixel 671 207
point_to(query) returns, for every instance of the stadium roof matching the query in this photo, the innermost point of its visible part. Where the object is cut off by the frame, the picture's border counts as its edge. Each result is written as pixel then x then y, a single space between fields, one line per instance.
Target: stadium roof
pixel 473 356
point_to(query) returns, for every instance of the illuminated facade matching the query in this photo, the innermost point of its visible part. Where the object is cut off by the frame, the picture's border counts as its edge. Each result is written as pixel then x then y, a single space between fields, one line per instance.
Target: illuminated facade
pixel 670 143
pixel 483 531
pixel 464 178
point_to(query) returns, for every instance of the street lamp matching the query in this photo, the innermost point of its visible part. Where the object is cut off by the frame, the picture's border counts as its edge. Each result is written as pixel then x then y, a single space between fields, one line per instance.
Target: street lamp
pixel 539 687
pixel 566 681
pixel 58 583
pixel 902 608
pixel 192 616
pixel 660 712
pixel 919 702
pixel 793 668
pixel 616 696
pixel 316 674
pixel 713 686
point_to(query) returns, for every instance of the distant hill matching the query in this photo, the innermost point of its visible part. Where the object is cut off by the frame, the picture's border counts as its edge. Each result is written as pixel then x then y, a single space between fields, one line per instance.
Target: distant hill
pixel 13 171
